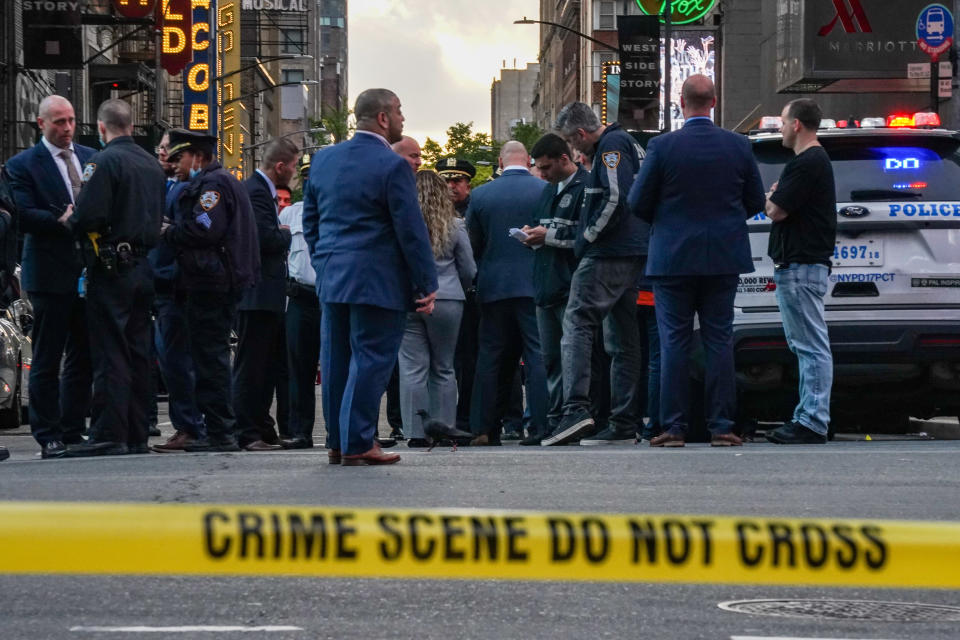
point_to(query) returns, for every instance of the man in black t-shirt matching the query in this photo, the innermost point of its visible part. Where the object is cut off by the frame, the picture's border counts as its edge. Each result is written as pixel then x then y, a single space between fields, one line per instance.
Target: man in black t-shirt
pixel 803 207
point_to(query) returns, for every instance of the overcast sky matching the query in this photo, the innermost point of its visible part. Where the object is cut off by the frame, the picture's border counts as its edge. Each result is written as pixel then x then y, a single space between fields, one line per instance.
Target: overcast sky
pixel 439 57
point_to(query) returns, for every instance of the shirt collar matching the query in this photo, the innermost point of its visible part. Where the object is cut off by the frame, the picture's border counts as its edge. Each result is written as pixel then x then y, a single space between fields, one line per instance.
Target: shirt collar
pixel 53 149
pixel 697 118
pixel 563 183
pixel 514 167
pixel 375 135
pixel 270 185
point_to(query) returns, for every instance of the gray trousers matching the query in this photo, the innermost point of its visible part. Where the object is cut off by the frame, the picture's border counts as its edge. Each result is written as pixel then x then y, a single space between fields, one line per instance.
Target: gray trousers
pixel 427 379
pixel 603 292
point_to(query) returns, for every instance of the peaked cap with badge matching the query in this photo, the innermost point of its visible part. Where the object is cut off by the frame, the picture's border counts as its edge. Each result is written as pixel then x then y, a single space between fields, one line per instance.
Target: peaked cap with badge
pixel 456 168
pixel 182 140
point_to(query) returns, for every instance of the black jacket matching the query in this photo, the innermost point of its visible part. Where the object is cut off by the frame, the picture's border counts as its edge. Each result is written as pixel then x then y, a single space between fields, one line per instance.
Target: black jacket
pixel 270 293
pixel 122 196
pixel 554 262
pixel 215 234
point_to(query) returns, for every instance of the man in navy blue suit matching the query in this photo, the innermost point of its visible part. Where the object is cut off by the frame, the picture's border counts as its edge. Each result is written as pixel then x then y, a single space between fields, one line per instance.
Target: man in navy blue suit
pixel 508 317
pixel 46 180
pixel 369 247
pixel 697 186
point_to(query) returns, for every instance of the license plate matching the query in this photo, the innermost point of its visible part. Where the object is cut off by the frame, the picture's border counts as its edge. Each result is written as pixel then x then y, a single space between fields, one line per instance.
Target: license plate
pixel 858 253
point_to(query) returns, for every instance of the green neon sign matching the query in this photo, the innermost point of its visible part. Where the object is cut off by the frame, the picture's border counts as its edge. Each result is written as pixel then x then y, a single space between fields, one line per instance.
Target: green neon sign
pixel 683 11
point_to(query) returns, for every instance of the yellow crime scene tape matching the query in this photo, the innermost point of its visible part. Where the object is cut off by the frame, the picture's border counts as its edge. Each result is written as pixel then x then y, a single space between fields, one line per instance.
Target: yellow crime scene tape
pixel 101 538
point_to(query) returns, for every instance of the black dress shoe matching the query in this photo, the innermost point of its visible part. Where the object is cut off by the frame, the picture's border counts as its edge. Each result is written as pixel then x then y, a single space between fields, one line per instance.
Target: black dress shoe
pixel 53 449
pixel 296 443
pixel 386 443
pixel 205 444
pixel 531 441
pixel 4 453
pixel 153 431
pixel 397 434
pixel 74 440
pixel 139 448
pixel 418 443
pixel 90 449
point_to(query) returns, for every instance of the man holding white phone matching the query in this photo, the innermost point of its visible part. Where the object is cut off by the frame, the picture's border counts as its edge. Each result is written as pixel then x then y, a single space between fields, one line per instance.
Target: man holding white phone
pixel 508 321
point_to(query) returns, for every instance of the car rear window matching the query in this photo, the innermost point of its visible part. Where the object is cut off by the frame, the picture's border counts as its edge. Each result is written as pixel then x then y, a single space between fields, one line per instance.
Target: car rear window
pixel 879 167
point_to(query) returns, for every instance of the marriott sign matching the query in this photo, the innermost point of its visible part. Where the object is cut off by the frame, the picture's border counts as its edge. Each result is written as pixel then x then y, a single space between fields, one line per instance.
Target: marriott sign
pixel 846 45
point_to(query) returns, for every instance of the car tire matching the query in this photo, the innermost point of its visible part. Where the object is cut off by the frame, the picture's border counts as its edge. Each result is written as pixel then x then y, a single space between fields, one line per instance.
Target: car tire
pixel 11 418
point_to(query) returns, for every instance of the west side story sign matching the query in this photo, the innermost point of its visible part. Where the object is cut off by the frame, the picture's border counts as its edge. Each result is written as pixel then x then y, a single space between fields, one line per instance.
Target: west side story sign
pixel 639 38
pixel 822 41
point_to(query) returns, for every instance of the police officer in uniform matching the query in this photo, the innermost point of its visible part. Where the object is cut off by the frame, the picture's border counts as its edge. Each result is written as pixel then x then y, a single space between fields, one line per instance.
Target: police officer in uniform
pixel 118 219
pixel 457 173
pixel 215 235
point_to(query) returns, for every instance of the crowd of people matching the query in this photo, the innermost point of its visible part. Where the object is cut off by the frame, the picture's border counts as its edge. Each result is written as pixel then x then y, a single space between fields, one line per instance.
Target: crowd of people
pixel 553 304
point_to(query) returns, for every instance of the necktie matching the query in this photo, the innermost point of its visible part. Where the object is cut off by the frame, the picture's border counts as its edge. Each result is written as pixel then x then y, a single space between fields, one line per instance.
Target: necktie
pixel 75 183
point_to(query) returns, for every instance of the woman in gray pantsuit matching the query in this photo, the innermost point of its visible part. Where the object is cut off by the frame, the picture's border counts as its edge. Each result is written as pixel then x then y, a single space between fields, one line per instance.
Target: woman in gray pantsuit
pixel 429 341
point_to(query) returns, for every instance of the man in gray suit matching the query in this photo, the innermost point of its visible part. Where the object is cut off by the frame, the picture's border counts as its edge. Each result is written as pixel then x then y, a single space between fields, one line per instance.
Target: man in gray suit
pixel 508 318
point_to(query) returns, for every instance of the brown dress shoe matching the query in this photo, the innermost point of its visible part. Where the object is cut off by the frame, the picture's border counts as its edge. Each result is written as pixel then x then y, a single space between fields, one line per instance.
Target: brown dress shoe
pixel 333 456
pixel 726 440
pixel 260 445
pixel 667 439
pixel 175 443
pixel 374 456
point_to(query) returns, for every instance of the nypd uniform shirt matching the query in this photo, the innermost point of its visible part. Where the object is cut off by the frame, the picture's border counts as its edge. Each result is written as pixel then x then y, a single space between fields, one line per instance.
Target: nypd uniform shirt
pixel 608 230
pixel 122 196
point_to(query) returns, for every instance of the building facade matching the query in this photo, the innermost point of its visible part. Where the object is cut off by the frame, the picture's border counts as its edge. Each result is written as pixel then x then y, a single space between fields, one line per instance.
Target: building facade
pixel 511 100
pixel 742 44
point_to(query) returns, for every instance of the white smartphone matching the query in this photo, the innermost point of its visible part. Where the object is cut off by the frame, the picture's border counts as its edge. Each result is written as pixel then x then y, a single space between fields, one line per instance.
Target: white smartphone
pixel 517 234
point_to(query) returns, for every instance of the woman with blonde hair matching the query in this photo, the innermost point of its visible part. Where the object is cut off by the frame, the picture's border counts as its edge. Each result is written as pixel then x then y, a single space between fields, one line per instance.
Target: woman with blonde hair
pixel 427 381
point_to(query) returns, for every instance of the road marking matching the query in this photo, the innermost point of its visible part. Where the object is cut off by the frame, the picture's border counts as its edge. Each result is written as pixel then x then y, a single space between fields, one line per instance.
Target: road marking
pixel 205 628
pixel 787 638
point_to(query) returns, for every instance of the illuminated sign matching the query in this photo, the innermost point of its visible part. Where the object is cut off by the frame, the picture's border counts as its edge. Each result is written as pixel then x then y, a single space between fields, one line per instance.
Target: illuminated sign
pixel 197 76
pixel 683 11
pixel 175 42
pixel 893 164
pixel 134 8
pixel 232 113
pixel 276 5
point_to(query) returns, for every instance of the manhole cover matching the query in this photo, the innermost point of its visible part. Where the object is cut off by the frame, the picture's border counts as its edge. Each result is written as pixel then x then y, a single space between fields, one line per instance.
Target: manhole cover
pixel 846 610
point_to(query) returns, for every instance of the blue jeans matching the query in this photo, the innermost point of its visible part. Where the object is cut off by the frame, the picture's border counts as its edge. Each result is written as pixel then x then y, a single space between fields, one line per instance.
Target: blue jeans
pixel 800 291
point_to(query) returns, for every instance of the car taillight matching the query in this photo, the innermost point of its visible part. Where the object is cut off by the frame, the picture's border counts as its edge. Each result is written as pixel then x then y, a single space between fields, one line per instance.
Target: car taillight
pixel 939 341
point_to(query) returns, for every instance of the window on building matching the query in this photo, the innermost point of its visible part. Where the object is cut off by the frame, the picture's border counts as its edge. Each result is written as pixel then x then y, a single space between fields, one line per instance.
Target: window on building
pixel 292 75
pixel 331 22
pixel 608 15
pixel 599 57
pixel 293 41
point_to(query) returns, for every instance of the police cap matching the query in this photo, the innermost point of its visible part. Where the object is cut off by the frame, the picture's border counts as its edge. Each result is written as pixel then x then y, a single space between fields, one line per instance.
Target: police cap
pixel 456 168
pixel 182 140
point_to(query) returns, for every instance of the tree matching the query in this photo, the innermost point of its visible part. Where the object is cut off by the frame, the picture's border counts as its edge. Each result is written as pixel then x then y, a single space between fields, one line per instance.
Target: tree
pixel 431 152
pixel 526 132
pixel 338 122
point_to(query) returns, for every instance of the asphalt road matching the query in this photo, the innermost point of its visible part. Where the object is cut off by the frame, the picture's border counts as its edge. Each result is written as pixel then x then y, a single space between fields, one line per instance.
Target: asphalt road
pixel 879 479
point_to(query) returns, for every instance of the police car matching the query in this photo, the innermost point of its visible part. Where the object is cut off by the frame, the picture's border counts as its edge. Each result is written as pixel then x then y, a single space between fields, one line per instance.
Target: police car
pixel 893 301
